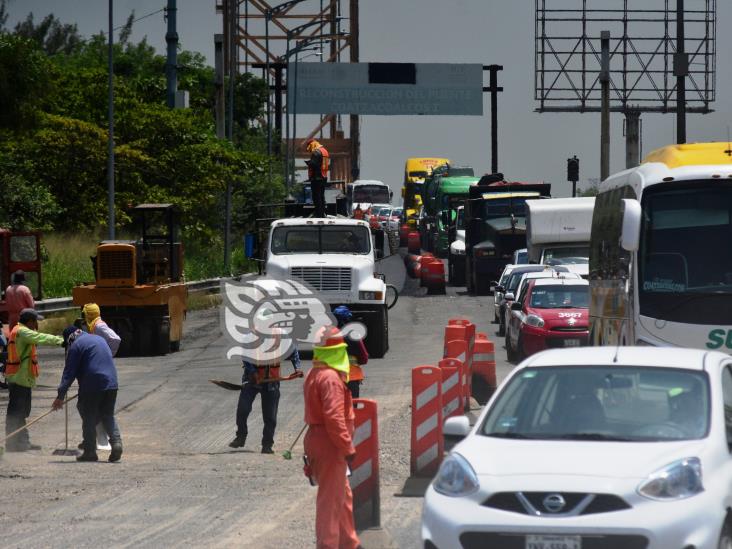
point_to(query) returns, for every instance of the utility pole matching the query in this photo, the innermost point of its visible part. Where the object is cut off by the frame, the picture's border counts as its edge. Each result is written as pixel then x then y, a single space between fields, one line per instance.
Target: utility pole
pixel 171 65
pixel 110 137
pixel 354 125
pixel 230 16
pixel 494 89
pixel 219 85
pixel 605 114
pixel 632 138
pixel 681 69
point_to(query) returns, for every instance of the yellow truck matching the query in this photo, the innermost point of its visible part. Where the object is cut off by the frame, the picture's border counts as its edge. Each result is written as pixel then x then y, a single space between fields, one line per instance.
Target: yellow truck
pixel 416 171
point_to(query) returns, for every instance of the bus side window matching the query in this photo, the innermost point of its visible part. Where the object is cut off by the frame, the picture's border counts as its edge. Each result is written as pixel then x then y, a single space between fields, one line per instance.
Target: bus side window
pixel 607 259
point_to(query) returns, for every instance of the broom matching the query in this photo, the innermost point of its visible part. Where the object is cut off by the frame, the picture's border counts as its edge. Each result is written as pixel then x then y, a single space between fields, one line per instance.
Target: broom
pixel 66 451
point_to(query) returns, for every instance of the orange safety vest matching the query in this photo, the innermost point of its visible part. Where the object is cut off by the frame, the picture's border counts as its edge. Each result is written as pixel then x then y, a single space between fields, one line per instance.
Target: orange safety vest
pixel 13 364
pixel 324 165
pixel 356 372
pixel 358 213
pixel 267 373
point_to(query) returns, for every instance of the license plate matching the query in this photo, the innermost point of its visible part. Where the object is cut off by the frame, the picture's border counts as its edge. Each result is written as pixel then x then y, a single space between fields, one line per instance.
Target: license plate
pixel 572 342
pixel 553 542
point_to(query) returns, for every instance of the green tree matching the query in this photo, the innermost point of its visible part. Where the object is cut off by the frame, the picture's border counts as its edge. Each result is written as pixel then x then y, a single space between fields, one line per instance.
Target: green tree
pixel 28 206
pixel 50 34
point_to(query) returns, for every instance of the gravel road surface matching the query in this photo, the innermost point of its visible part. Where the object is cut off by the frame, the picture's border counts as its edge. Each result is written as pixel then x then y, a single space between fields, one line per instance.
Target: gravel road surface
pixel 178 482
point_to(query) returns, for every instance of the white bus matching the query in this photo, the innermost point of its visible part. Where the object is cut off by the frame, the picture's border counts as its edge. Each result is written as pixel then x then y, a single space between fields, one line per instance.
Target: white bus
pixel 661 251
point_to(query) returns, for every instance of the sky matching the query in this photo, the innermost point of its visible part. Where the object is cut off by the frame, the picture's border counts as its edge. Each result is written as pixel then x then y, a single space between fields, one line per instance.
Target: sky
pixel 532 146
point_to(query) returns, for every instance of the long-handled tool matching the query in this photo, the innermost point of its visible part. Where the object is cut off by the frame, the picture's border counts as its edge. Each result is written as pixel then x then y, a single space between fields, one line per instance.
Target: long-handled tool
pixel 287 454
pixel 36 420
pixel 66 451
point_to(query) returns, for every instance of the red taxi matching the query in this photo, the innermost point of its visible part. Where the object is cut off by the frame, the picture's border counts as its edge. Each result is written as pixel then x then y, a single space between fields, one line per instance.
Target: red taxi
pixel 551 313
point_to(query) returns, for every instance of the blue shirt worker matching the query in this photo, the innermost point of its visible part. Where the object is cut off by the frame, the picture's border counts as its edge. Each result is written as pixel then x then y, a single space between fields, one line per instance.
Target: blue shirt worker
pixel 255 382
pixel 89 361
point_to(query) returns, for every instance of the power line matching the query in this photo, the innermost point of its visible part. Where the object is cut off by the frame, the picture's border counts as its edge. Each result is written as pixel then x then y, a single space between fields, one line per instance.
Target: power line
pixel 140 18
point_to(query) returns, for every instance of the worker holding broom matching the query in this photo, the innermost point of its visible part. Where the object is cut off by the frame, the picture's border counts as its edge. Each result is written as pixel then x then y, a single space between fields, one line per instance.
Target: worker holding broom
pixel 329 441
pixel 21 373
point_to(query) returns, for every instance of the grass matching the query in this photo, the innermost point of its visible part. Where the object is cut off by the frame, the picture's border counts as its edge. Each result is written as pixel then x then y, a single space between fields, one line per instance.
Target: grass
pixel 66 262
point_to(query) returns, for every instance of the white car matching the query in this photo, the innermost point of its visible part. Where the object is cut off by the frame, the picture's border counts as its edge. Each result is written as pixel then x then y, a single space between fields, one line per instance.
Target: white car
pixel 497 293
pixel 603 447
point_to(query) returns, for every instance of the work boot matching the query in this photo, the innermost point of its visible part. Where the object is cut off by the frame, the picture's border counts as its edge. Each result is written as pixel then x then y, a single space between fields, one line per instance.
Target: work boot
pixel 116 452
pixel 238 442
pixel 267 450
pixel 87 457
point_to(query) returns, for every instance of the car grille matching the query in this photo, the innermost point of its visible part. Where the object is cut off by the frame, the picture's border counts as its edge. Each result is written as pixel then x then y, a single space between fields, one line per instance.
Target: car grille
pixel 576 503
pixel 324 279
pixel 570 329
pixel 497 540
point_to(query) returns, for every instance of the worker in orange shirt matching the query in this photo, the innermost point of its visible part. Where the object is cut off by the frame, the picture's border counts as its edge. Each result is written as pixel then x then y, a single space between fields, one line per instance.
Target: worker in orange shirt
pixel 17 297
pixel 328 441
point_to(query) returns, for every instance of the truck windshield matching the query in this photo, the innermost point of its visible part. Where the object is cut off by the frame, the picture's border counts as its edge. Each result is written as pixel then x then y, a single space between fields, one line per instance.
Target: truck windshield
pixel 419 174
pixel 685 260
pixel 567 255
pixel 504 207
pixel 303 239
pixel 373 194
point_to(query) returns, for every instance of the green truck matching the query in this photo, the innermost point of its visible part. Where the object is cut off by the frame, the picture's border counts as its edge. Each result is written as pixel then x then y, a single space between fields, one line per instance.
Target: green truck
pixel 448 185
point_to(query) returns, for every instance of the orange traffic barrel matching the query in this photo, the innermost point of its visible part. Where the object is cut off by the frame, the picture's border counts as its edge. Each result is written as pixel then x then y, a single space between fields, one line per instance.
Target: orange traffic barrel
pixel 433 275
pixel 412 263
pixel 484 370
pixel 403 235
pixel 413 244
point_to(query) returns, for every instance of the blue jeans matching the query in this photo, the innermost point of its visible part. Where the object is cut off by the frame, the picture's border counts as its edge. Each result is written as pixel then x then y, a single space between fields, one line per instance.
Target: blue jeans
pixel 270 393
pixel 98 407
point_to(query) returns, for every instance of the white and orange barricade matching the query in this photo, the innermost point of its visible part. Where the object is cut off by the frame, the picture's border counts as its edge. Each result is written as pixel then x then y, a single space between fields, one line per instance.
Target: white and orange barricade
pixel 365 467
pixel 470 340
pixel 427 442
pixel 484 361
pixel 452 391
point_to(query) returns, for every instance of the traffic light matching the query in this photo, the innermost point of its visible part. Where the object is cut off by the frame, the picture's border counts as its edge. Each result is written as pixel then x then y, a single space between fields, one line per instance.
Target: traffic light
pixel 573 169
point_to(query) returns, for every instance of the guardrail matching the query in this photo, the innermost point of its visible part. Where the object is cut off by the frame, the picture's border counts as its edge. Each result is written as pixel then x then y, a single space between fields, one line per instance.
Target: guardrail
pixel 63 304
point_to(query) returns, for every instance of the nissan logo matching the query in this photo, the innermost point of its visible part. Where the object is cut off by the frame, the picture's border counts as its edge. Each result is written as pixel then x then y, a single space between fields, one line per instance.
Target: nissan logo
pixel 554 503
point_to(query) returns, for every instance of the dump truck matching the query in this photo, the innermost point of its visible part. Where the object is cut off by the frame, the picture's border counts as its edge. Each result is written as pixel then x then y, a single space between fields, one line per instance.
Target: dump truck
pixel 416 171
pixel 336 257
pixel 558 232
pixel 139 284
pixel 495 226
pixel 429 224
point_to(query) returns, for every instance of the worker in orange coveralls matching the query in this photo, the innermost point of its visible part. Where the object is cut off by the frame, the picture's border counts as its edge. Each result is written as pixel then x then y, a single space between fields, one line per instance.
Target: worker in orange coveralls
pixel 328 441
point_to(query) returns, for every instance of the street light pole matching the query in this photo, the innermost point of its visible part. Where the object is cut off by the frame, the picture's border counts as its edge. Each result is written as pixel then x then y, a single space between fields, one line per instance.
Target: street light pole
pixel 110 137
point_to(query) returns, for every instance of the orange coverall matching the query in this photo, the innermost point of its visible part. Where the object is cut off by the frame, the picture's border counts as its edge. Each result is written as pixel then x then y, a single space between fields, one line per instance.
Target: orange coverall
pixel 329 415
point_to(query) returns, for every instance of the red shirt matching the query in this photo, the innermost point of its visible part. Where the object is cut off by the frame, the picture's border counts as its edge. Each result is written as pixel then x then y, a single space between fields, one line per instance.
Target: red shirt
pixel 17 298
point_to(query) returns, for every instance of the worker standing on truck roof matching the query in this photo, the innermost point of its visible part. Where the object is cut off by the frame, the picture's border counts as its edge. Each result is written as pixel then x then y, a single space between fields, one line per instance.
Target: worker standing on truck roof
pixel 254 382
pixel 21 373
pixel 96 326
pixel 17 297
pixel 318 166
pixel 89 360
pixel 329 441
pixel 357 353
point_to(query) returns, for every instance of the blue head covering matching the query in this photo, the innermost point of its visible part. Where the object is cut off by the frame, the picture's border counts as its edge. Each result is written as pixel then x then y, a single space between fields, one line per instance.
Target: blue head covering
pixel 343 313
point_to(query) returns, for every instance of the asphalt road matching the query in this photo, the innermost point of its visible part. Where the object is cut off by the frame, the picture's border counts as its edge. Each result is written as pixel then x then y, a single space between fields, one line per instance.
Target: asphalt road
pixel 178 482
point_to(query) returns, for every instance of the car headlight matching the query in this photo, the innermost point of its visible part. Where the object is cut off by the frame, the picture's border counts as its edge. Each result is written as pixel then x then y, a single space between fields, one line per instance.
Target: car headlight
pixel 534 320
pixel 456 477
pixel 678 480
pixel 371 296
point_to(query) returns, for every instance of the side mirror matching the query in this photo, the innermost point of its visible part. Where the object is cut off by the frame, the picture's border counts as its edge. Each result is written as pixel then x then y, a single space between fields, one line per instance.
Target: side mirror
pixel 391 194
pixel 516 306
pixel 508 296
pixel 456 428
pixel 630 237
pixel 499 288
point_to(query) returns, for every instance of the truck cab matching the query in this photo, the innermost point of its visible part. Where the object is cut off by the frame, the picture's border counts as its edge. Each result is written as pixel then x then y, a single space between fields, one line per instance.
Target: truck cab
pixel 416 171
pixel 19 250
pixel 336 257
pixel 495 226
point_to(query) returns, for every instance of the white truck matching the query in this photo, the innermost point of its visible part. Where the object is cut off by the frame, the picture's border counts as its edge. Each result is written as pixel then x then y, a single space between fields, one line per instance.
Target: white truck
pixel 365 192
pixel 558 232
pixel 337 259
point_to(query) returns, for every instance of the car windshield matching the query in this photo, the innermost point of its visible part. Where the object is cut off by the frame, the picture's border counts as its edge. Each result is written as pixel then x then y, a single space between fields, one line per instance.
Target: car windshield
pixel 513 282
pixel 567 255
pixel 522 258
pixel 560 296
pixel 303 239
pixel 604 403
pixel 371 194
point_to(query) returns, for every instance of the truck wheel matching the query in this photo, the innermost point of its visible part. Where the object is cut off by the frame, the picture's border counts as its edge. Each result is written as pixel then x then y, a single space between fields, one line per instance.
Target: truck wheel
pixel 377 338
pixel 482 392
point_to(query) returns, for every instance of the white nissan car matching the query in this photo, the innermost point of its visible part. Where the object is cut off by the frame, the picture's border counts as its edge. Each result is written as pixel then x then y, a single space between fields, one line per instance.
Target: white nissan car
pixel 593 448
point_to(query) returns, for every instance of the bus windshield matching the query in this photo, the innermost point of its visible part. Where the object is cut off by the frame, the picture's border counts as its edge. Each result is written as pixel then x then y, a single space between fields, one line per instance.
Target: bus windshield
pixel 373 194
pixel 685 260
